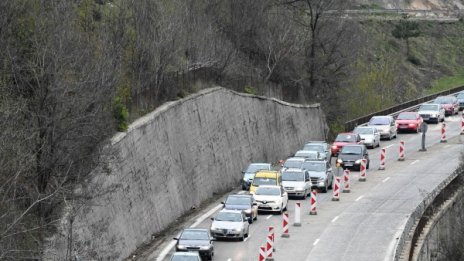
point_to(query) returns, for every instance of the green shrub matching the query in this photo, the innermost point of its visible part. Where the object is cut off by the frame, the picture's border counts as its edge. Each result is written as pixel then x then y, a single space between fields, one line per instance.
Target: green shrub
pixel 120 114
pixel 249 89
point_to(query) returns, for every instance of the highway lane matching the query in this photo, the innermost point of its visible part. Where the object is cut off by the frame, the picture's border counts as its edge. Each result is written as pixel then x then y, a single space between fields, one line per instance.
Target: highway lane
pixel 365 223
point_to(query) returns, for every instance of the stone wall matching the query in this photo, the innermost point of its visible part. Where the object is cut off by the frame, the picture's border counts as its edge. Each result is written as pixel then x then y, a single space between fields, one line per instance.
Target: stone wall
pixel 173 159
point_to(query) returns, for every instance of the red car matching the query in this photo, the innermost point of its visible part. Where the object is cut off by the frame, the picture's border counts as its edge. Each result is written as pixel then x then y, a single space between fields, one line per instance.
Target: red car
pixel 450 103
pixel 343 139
pixel 408 121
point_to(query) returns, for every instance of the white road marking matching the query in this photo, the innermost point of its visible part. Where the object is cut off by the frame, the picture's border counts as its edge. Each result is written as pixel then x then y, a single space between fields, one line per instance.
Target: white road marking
pixel 335 219
pixel 414 162
pixel 360 197
pixel 385 180
pixel 168 248
pixel 268 217
pixel 388 146
pixel 315 242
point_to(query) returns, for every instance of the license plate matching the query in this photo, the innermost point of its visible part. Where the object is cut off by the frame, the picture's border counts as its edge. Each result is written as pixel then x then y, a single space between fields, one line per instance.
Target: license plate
pixel 403 127
pixel 264 206
pixel 348 164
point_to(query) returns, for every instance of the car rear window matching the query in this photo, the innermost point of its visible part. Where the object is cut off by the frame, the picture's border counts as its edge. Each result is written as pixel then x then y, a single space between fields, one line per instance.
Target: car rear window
pixel 406 116
pixel 444 99
pixel 312 147
pixel 379 121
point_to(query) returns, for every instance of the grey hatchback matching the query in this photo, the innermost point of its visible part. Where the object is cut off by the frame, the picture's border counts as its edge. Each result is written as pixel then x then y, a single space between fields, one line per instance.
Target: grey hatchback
pixel 352 155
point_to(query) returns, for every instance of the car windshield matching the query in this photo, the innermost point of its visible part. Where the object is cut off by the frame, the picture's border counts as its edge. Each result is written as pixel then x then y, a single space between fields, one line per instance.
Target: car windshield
pixel 345 138
pixel 232 200
pixel 364 130
pixel 194 235
pixel 248 175
pixel 351 150
pixel 292 164
pixel 228 216
pixel 292 176
pixel 314 166
pixel 264 181
pixel 313 147
pixel 406 116
pixel 443 100
pixel 255 167
pixel 428 107
pixel 379 121
pixel 306 154
pixel 268 191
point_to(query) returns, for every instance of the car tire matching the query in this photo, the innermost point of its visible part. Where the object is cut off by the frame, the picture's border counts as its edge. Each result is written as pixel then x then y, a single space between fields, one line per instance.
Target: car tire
pixel 367 166
pixel 305 194
pixel 281 209
pixel 242 238
pixel 324 189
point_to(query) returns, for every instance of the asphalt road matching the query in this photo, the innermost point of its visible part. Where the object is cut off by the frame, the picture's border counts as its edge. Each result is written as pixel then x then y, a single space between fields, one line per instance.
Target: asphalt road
pixel 363 224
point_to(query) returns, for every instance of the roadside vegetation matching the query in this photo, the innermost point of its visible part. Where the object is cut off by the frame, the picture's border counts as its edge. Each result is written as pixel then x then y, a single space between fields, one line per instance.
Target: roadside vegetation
pixel 72 73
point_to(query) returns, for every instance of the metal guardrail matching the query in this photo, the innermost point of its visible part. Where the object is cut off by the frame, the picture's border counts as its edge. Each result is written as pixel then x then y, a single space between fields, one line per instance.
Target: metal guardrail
pixel 395 110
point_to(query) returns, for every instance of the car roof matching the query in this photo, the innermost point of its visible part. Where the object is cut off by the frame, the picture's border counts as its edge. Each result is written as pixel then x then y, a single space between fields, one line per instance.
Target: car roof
pixel 186 254
pixel 437 104
pixel 365 127
pixel 195 229
pixel 293 170
pixel 295 159
pixel 240 195
pixel 268 186
pixel 231 211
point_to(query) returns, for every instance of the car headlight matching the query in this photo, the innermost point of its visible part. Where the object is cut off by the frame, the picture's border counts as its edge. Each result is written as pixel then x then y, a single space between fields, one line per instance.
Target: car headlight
pixel 181 247
pixel 358 161
pixel 204 247
pixel 299 188
pixel 248 211
pixel 236 229
pixel 321 179
pixel 434 115
pixel 339 160
pixel 213 228
pixel 334 147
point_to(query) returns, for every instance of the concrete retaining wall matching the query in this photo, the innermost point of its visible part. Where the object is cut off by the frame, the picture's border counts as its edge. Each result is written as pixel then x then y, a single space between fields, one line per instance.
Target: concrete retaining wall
pixel 443 234
pixel 173 159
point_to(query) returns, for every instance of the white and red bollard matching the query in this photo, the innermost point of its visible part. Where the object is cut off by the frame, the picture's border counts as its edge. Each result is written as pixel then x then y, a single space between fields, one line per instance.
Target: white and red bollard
pixel 271 233
pixel 363 174
pixel 336 189
pixel 285 225
pixel 297 222
pixel 382 159
pixel 313 202
pixel 443 132
pixel 346 181
pixel 401 157
pixel 262 253
pixel 462 123
pixel 269 247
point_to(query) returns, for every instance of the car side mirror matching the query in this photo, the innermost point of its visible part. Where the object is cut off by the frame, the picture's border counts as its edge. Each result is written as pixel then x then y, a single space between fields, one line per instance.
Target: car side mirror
pixel 243 172
pixel 223 203
pixel 330 170
pixel 255 203
pixel 212 218
pixel 175 238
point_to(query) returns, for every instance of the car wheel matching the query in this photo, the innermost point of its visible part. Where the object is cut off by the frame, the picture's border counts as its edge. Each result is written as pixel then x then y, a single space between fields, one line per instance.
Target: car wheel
pixel 241 238
pixel 325 188
pixel 305 194
pixel 251 222
pixel 281 209
pixel 367 166
pixel 246 235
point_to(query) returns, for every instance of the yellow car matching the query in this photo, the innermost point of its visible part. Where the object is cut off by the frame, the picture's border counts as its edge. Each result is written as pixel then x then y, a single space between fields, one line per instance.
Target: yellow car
pixel 265 177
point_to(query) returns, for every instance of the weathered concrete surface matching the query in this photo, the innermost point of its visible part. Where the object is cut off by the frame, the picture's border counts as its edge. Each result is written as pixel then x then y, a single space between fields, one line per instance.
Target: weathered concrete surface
pixel 173 159
pixel 443 234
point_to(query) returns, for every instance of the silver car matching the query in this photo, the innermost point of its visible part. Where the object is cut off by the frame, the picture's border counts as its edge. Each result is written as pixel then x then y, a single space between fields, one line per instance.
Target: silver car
pixel 369 135
pixel 320 146
pixel 386 126
pixel 320 173
pixel 432 112
pixel 230 224
pixel 308 155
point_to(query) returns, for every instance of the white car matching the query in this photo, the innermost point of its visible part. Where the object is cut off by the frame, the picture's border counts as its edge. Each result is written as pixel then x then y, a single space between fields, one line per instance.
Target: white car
pixel 271 198
pixel 432 112
pixel 296 182
pixel 230 224
pixel 370 136
pixel 386 126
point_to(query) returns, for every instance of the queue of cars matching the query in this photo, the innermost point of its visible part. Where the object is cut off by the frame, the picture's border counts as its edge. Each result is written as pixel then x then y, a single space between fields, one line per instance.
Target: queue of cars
pixel 269 189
